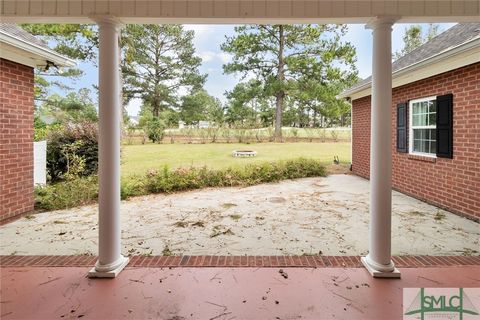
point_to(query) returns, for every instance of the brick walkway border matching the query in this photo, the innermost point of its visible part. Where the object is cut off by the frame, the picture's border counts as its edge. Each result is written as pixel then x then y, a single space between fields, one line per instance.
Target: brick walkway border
pixel 239 261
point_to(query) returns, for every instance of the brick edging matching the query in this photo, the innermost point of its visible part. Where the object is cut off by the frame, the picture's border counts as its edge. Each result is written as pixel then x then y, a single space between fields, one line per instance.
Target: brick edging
pixel 240 261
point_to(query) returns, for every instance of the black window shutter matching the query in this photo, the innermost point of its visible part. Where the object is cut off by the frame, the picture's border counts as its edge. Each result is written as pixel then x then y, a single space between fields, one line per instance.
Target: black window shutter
pixel 402 111
pixel 445 126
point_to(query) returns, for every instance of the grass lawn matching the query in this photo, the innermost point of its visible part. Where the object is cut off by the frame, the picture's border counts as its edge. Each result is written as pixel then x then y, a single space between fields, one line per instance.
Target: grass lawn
pixel 137 159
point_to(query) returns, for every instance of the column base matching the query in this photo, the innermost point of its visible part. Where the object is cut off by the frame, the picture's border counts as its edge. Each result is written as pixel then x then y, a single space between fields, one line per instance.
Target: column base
pixel 395 273
pixel 110 271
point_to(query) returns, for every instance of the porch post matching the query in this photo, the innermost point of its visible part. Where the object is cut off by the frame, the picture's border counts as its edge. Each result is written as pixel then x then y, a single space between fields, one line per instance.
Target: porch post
pixel 378 261
pixel 110 261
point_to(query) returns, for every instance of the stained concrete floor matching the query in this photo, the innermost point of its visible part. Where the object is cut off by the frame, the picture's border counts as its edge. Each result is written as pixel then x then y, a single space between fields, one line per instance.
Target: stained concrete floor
pixel 306 216
pixel 221 293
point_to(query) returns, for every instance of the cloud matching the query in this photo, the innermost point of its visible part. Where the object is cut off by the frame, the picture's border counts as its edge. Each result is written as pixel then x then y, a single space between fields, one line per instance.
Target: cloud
pixel 202 33
pixel 134 106
pixel 200 29
pixel 208 56
pixel 224 57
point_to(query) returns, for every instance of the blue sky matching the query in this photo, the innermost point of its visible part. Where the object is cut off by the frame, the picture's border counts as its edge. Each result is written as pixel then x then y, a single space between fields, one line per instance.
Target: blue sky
pixel 208 39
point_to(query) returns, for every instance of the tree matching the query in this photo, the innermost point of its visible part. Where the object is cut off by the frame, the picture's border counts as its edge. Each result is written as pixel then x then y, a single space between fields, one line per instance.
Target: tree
pixel 278 55
pixel 216 112
pixel 432 31
pixel 414 38
pixel 76 41
pixel 200 106
pixel 74 107
pixel 320 98
pixel 158 62
pixel 170 118
pixel 246 103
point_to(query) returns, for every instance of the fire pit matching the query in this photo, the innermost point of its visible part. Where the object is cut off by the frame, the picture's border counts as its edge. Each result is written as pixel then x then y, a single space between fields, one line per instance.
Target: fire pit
pixel 244 153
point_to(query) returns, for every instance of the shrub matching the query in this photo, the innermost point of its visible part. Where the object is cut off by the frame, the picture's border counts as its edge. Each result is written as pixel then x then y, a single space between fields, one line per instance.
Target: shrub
pixel 129 133
pixel 271 134
pixel 194 178
pixel 226 134
pixel 67 194
pixel 155 130
pixel 204 135
pixel 334 134
pixel 82 191
pixel 294 132
pixel 41 132
pixel 131 187
pixel 323 134
pixel 72 141
pixel 213 133
pixel 241 135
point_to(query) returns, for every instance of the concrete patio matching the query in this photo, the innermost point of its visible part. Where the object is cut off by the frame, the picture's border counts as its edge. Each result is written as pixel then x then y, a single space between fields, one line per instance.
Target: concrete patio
pixel 327 216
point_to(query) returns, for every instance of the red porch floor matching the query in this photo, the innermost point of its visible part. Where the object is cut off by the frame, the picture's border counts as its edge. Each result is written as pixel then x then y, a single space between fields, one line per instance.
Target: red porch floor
pixel 216 293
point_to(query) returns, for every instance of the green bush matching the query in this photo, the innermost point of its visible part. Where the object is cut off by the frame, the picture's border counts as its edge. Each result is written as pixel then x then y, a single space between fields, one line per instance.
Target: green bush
pixel 195 178
pixel 155 130
pixel 72 141
pixel 131 187
pixel 41 131
pixel 67 194
pixel 82 191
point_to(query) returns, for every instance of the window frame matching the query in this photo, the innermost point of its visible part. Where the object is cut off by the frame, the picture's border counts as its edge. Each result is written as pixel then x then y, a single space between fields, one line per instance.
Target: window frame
pixel 410 127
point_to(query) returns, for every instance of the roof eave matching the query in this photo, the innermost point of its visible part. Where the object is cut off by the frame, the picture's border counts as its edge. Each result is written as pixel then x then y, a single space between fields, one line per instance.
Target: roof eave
pixel 466 46
pixel 31 48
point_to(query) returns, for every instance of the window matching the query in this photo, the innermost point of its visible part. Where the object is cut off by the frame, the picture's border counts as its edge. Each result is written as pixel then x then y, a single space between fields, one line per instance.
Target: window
pixel 423 126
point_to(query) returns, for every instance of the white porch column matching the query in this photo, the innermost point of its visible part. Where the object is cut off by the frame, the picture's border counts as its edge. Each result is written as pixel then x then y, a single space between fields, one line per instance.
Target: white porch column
pixel 378 261
pixel 110 261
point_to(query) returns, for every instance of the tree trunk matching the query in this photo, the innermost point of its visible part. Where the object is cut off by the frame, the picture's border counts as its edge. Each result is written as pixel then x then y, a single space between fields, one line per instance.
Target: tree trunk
pixel 278 117
pixel 155 110
pixel 281 94
pixel 300 117
pixel 156 99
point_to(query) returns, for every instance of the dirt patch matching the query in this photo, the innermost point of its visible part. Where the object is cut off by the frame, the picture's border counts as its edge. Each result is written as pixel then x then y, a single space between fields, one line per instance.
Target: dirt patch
pixel 338 169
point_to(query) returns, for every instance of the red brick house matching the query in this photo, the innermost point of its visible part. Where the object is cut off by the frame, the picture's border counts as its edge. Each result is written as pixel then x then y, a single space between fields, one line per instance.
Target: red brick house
pixel 435 120
pixel 20 53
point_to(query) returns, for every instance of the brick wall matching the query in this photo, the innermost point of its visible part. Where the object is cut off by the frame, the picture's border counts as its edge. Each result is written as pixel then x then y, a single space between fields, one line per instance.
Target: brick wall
pixel 16 139
pixel 453 184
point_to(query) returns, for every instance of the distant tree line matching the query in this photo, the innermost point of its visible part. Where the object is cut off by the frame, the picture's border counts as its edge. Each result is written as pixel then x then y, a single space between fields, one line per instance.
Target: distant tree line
pixel 290 76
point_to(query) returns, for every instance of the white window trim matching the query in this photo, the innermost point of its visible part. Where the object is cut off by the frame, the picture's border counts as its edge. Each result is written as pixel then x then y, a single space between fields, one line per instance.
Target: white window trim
pixel 410 127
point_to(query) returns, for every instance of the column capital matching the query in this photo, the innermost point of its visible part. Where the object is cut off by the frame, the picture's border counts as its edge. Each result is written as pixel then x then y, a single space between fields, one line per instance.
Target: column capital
pixel 107 20
pixel 381 22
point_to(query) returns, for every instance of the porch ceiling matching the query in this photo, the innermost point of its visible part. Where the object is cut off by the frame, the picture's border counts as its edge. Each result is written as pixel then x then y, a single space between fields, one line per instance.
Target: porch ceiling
pixel 239 11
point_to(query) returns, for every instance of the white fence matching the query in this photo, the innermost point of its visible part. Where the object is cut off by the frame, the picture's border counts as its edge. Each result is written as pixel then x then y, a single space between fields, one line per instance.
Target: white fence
pixel 40 162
